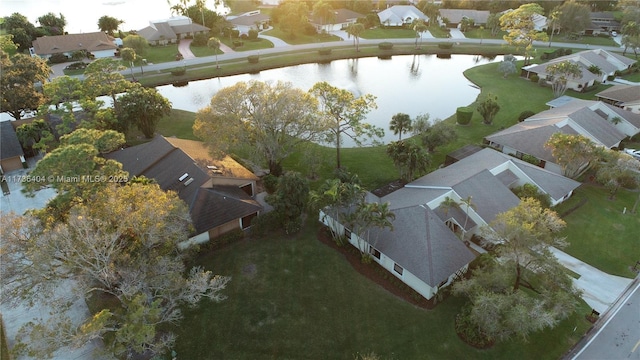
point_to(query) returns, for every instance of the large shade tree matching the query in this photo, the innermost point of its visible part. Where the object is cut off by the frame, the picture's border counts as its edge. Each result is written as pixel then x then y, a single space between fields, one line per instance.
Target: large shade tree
pixel 109 24
pixel 561 73
pixel 433 134
pixel 521 30
pixel 20 73
pixel 270 119
pixel 52 24
pixel 121 248
pixel 498 307
pixel 345 114
pixel 103 77
pixel 574 153
pixel 143 108
pixel 574 17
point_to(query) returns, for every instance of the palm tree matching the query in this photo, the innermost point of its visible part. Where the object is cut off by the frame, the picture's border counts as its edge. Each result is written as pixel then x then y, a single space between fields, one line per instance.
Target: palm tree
pixel 468 204
pixel 214 43
pixel 325 11
pixel 355 30
pixel 554 18
pixel 419 27
pixel 400 123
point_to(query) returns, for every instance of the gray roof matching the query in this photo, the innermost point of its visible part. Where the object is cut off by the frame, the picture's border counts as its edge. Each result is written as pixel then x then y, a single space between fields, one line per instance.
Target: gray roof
pixel 9 144
pixel 621 93
pixel 423 245
pixel 631 117
pixel 557 186
pixel 341 16
pixel 407 196
pixel 528 137
pixel 176 171
pixel 249 20
pixel 161 30
pixel 488 194
pixel 456 15
pixel 608 63
pixel 598 127
pixel 560 101
pixel 458 214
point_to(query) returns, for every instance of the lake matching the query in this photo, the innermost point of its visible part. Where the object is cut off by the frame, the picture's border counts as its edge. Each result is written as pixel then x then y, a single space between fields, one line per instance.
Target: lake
pixel 411 84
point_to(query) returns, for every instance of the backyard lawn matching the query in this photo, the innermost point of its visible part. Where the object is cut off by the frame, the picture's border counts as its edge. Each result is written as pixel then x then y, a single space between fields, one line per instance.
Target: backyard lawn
pixel 161 54
pixel 298 39
pixel 294 298
pixel 599 233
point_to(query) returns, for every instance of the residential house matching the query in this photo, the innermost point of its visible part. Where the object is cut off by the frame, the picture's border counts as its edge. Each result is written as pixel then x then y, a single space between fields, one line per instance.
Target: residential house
pixel 602 123
pixel 424 249
pixel 626 97
pixel 341 20
pixel 602 22
pixel 220 194
pixel 607 62
pixel 98 44
pixel 399 15
pixel 169 31
pixel 455 16
pixel 250 20
pixel 11 154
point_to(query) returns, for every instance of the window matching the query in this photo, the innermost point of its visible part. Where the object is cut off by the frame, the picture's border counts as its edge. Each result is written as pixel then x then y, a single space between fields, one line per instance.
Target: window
pixel 397 268
pixel 443 283
pixel 245 222
pixel 373 251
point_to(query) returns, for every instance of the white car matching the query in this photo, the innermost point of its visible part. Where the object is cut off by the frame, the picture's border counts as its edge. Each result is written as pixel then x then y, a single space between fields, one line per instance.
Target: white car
pixel 614 33
pixel 633 152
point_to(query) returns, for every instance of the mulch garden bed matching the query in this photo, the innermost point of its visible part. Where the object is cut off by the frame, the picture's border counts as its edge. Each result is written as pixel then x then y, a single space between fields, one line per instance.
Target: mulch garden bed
pixel 376 273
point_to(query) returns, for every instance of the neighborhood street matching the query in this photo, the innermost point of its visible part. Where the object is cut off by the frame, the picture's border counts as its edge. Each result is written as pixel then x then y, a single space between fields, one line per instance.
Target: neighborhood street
pixel 617 333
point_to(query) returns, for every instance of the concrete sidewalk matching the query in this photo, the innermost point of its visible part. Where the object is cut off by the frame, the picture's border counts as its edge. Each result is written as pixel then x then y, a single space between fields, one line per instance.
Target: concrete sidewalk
pixel 599 289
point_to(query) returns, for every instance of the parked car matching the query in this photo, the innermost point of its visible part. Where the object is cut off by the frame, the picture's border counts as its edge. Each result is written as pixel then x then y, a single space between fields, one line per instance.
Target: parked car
pixel 633 152
pixel 614 33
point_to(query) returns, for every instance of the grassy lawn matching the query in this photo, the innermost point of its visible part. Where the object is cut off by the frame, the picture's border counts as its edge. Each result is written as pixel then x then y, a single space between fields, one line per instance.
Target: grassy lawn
pixel 201 51
pixel 476 33
pixel 160 54
pixel 600 234
pixel 249 44
pixel 587 39
pixel 304 301
pixel 298 39
pixel 438 32
pixel 390 33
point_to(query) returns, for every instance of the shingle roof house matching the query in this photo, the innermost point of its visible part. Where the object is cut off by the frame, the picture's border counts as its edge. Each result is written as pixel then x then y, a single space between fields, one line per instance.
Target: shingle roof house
pixel 11 154
pixel 218 203
pixel 626 97
pixel 424 249
pixel 342 19
pixel 604 124
pixel 606 61
pixel 455 16
pixel 399 15
pixel 169 31
pixel 250 20
pixel 97 43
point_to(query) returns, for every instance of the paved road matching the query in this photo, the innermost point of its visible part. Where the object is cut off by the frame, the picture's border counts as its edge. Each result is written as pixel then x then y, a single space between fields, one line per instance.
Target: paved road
pixel 617 334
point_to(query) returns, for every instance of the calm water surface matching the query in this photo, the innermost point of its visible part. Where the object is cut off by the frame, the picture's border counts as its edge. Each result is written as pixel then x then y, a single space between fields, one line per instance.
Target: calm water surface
pixel 421 84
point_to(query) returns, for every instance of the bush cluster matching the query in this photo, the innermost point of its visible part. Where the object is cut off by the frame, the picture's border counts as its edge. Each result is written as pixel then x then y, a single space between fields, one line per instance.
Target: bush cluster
pixel 552 54
pixel 525 114
pixel 324 51
pixel 58 58
pixel 385 46
pixel 253 59
pixel 464 115
pixel 178 71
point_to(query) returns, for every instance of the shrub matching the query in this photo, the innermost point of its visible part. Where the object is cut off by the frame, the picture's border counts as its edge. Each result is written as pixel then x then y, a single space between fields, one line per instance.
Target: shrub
pixel 76 66
pixel 469 332
pixel 224 239
pixel 244 36
pixel 58 58
pixel 235 33
pixel 253 34
pixel 200 40
pixel 270 183
pixel 238 43
pixel 265 223
pixel 385 46
pixel 534 78
pixel 324 51
pixel 464 115
pixel 525 114
pixel 447 45
pixel 178 71
pixel 253 59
